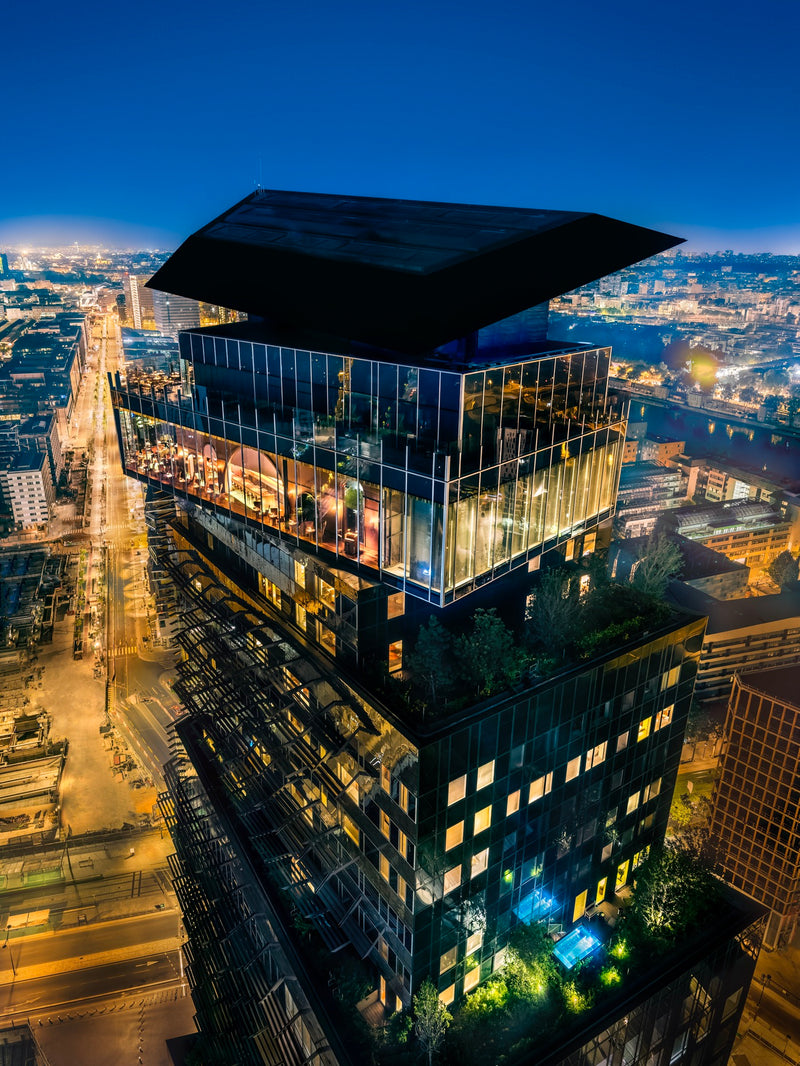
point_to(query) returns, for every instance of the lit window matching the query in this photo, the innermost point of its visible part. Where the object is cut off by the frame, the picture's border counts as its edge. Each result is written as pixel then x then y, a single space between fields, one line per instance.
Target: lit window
pixel 539 787
pixel 644 729
pixel 483 819
pixel 573 768
pixel 622 741
pixel 327 594
pixel 395 656
pixel 594 756
pixel 664 717
pixel 500 959
pixel 384 822
pixel 301 615
pixel 448 995
pixel 633 803
pixel 452 879
pixel 300 574
pixel 454 836
pixel 386 778
pixel 479 862
pixel 670 678
pixel 351 829
pixel 622 874
pixel 383 864
pixel 457 790
pixel 474 942
pixel 600 894
pixel 652 790
pixel 485 774
pixel 471 978
pixel 448 960
pixel 512 803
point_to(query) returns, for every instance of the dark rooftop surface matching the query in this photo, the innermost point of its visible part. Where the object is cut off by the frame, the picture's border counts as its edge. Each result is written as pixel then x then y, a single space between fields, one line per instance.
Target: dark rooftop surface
pixel 782 684
pixel 401 274
pixel 743 613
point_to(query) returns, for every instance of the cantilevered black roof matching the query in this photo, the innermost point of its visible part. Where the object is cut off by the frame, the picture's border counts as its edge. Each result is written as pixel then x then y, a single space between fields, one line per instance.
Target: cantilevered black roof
pixel 401 274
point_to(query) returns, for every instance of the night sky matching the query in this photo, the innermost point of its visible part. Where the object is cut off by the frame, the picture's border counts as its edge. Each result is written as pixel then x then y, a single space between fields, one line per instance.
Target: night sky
pixel 137 123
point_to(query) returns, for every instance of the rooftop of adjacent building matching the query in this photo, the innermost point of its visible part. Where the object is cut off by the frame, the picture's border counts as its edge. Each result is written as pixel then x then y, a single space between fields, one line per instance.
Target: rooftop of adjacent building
pixel 745 613
pixel 400 274
pixel 26 461
pixel 781 684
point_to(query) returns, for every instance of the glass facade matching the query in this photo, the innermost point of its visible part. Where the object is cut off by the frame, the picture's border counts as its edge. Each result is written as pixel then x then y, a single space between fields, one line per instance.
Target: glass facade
pixel 435 480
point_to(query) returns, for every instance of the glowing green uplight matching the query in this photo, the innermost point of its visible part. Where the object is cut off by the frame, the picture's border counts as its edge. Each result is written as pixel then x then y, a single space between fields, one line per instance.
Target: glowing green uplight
pixel 610 976
pixel 508 876
pixel 620 950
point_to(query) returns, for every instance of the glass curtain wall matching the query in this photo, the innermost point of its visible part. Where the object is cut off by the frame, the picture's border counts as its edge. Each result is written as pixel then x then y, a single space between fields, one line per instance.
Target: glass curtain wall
pixel 540 457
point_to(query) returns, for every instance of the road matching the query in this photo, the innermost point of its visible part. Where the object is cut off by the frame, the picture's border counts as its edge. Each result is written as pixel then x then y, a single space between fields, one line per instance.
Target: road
pixel 142 707
pixel 47 995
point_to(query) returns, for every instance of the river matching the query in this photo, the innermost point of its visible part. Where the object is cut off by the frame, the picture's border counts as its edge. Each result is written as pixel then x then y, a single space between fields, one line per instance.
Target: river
pixel 761 451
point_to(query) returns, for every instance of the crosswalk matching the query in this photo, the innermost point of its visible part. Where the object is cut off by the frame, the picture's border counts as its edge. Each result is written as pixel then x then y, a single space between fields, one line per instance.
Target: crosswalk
pixel 123 649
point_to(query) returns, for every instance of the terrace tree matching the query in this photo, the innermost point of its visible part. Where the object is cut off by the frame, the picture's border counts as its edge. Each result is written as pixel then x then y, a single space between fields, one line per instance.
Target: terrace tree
pixel 554 611
pixel 431 661
pixel 658 561
pixel 487 654
pixel 431 1019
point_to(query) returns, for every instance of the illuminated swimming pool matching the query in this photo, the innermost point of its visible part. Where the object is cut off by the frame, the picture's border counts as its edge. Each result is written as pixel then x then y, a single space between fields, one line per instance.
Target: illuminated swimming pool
pixel 575 946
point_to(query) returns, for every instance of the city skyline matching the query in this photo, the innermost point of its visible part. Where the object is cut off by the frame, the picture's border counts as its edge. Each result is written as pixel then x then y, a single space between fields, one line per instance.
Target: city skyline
pixel 677 122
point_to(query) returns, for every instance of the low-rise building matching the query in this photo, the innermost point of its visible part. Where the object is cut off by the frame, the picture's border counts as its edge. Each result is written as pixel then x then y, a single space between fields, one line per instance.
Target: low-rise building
pixel 750 633
pixel 749 533
pixel 646 490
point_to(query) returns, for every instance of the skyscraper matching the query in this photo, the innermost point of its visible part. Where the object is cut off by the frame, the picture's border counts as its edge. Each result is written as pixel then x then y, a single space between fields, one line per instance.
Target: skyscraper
pixel 755 824
pixel 391 437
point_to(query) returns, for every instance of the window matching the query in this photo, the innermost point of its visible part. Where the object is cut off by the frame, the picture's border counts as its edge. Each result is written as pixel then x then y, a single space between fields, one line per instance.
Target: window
pixel 395 656
pixel 448 960
pixel 670 677
pixel 301 615
pixel 512 803
pixel 448 995
pixel 485 774
pixel 600 894
pixel 644 729
pixel 483 819
pixel 327 594
pixel 540 786
pixel 594 756
pixel 385 823
pixel 474 942
pixel 351 829
pixel 573 768
pixel 622 741
pixel 664 717
pixel 386 779
pixel 300 574
pixel 454 836
pixel 622 874
pixel 457 790
pixel 652 790
pixel 452 878
pixel 479 862
pixel 580 905
pixel 471 978
pixel 633 803
pixel 383 865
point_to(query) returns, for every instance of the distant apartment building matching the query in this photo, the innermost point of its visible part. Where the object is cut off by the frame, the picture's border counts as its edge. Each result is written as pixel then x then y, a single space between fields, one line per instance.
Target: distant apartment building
pixel 44 370
pixel 654 449
pixel 40 434
pixel 706 571
pixel 174 313
pixel 750 633
pixel 755 821
pixel 139 311
pixel 750 533
pixel 28 488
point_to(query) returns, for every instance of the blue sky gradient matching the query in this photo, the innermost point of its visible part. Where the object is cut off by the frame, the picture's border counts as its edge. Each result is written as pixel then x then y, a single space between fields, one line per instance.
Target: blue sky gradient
pixel 136 124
